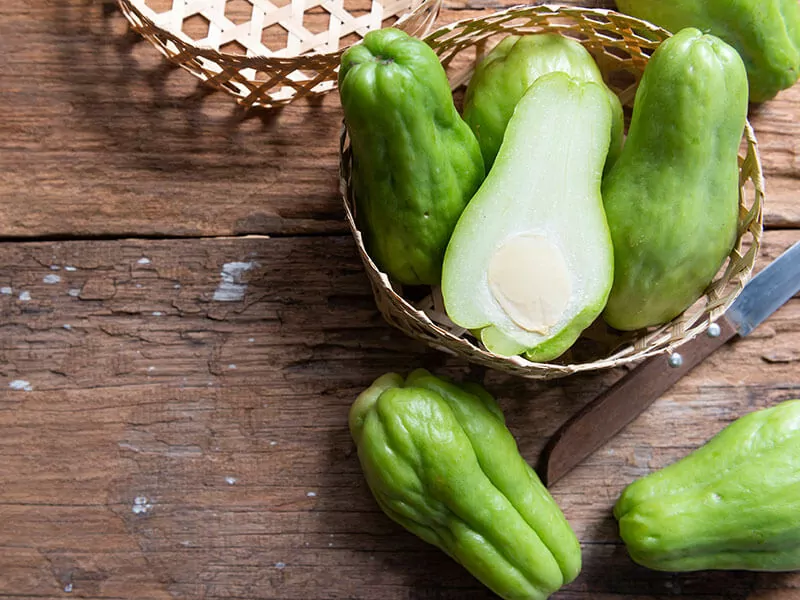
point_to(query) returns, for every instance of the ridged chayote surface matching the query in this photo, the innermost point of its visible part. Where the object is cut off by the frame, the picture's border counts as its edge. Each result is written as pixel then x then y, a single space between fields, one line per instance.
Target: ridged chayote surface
pixel 441 462
pixel 416 164
pixel 732 504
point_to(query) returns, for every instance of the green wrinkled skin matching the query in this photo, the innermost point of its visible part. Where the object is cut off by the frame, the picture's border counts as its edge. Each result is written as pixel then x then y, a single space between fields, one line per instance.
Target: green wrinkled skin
pixel 504 75
pixel 732 504
pixel 440 461
pixel 672 197
pixel 766 33
pixel 416 164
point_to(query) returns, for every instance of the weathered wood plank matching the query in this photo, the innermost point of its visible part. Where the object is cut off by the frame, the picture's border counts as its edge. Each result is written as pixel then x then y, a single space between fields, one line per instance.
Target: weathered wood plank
pixel 184 435
pixel 174 445
pixel 100 137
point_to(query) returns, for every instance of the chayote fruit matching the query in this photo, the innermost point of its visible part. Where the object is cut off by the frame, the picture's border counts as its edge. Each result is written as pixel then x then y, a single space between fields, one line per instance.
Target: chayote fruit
pixel 416 164
pixel 504 75
pixel 530 264
pixel 766 33
pixel 732 504
pixel 441 462
pixel 672 197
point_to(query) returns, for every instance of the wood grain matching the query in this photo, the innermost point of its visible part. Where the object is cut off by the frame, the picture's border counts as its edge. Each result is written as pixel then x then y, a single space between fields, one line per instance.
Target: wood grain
pixel 176 446
pixel 619 405
pixel 102 138
pixel 173 411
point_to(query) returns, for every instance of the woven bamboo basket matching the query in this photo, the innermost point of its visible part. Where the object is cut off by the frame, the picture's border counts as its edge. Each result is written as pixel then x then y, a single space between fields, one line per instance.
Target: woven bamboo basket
pixel 621 45
pixel 269 52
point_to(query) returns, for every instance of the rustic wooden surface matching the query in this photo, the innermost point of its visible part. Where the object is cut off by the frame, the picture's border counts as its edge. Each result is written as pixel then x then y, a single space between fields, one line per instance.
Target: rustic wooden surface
pixel 184 322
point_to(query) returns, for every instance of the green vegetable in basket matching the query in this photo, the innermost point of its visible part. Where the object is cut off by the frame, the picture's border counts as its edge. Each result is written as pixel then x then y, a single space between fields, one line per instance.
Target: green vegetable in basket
pixel 502 77
pixel 530 263
pixel 672 197
pixel 440 462
pixel 732 504
pixel 766 33
pixel 416 164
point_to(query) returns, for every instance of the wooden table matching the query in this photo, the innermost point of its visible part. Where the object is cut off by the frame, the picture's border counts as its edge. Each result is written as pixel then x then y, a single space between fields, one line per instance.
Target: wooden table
pixel 185 323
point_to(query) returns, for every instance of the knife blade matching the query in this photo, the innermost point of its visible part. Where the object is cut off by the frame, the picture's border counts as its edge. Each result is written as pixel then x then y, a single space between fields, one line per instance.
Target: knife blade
pixel 605 416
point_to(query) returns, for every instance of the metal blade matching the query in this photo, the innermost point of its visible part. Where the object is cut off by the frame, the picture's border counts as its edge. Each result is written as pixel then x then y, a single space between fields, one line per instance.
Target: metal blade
pixel 610 412
pixel 766 292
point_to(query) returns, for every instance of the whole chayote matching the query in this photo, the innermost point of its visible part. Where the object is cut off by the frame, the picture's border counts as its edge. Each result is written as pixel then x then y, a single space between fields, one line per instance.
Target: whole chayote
pixel 732 504
pixel 672 197
pixel 441 462
pixel 416 164
pixel 765 32
pixel 503 76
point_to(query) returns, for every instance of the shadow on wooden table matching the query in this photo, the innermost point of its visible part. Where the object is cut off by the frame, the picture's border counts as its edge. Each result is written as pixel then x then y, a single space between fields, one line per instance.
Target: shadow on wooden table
pixel 607 569
pixel 177 147
pixel 127 88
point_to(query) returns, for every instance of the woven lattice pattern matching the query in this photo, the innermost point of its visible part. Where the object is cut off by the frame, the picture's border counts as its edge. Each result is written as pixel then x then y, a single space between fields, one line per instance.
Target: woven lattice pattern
pixel 268 53
pixel 621 46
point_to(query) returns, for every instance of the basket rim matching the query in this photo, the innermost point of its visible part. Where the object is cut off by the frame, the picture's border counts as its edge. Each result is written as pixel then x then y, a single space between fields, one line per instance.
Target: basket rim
pixel 555 7
pixel 548 370
pixel 257 61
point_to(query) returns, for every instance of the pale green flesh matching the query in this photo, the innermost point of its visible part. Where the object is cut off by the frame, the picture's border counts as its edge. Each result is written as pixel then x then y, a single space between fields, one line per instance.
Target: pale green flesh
pixel 545 181
pixel 511 68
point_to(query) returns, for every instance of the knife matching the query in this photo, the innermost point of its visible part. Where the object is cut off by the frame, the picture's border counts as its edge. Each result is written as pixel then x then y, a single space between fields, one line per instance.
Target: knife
pixel 611 411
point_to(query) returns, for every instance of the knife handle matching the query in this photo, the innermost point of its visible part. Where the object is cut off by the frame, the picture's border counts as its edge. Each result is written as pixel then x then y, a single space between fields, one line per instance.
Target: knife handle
pixel 609 413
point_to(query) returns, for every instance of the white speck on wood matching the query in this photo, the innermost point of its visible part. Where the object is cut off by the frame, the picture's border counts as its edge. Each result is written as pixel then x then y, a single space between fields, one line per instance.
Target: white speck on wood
pixel 52 278
pixel 20 385
pixel 231 288
pixel 68 588
pixel 150 369
pixel 184 450
pixel 311 494
pixel 138 286
pixel 6 291
pixel 67 326
pixel 70 268
pixel 642 456
pixel 25 296
pixel 141 505
pixel 230 480
pixel 74 292
pixel 280 565
pixel 177 286
pixel 143 261
pixel 55 268
pixel 251 340
pixel 157 313
pixel 231 366
pixel 273 443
